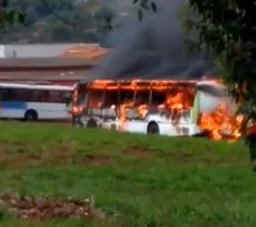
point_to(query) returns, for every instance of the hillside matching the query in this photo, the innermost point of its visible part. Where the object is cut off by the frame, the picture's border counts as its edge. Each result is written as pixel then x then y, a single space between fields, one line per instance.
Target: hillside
pixel 59 21
pixel 134 180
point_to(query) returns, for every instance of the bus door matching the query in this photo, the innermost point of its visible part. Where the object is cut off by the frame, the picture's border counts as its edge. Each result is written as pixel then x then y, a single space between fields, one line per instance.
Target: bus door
pixel 137 110
pixel 110 104
pixel 126 102
pixel 142 100
pixel 95 98
pixel 157 101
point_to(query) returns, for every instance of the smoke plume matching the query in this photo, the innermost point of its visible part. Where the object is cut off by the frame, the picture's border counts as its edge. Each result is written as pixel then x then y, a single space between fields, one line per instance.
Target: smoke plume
pixel 152 48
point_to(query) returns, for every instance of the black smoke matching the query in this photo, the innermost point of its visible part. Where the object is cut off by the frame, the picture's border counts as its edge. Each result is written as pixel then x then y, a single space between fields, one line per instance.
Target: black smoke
pixel 153 48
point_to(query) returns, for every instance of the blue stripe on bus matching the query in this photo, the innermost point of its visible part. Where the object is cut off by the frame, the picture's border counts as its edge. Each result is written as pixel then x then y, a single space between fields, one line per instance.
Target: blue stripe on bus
pixel 13 105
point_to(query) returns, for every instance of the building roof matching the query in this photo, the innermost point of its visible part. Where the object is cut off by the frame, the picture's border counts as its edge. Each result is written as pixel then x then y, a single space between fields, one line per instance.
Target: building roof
pixel 44 63
pixel 89 53
pixel 39 50
pixel 44 75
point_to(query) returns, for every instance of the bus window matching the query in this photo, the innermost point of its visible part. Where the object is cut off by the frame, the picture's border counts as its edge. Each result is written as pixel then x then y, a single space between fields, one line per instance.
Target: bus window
pixel 141 104
pixel 66 97
pixel 126 96
pixel 180 98
pixel 8 94
pixel 23 95
pixel 158 98
pixel 55 96
pixel 95 98
pixel 16 94
pixel 47 96
pixel 39 96
pixel 111 98
pixel 142 97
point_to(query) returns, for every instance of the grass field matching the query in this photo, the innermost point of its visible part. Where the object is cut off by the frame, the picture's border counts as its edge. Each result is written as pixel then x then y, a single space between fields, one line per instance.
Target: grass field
pixel 136 180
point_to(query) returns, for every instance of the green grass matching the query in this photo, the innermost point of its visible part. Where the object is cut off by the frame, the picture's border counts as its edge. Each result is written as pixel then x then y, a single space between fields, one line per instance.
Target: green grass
pixel 138 180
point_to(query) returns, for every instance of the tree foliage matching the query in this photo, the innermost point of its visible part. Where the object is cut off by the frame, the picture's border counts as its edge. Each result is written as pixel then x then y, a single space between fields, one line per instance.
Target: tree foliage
pixel 144 5
pixel 54 21
pixel 228 30
pixel 9 16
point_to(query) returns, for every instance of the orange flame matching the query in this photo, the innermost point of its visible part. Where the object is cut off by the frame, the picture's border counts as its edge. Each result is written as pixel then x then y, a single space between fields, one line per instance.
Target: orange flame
pixel 220 124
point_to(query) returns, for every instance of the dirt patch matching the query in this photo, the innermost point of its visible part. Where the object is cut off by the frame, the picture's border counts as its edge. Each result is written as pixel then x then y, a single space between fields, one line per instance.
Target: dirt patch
pixel 50 159
pixel 15 155
pixel 18 160
pixel 137 152
pixel 65 159
pixel 97 159
pixel 41 208
pixel 184 156
pixel 16 146
pixel 58 159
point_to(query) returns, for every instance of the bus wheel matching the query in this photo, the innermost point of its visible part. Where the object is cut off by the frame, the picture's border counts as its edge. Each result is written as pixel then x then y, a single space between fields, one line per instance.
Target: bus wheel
pixel 78 125
pixel 31 115
pixel 76 122
pixel 201 134
pixel 153 128
pixel 91 124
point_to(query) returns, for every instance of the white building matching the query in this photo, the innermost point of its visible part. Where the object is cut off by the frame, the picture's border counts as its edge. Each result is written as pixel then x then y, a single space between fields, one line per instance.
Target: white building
pixel 36 50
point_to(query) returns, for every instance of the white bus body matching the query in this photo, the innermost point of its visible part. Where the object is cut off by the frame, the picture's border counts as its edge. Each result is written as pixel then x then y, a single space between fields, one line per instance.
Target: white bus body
pixel 34 101
pixel 207 97
pixel 185 127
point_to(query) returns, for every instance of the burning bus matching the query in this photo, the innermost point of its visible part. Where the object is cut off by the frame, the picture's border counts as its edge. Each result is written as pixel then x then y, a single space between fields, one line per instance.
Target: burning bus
pixel 166 107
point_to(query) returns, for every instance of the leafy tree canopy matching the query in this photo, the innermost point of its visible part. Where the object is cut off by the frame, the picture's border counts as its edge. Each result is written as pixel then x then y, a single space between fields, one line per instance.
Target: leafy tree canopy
pixel 228 30
pixel 53 21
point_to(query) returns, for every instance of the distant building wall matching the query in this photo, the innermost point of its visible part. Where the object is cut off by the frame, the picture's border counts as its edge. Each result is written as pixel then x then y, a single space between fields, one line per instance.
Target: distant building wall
pixel 2 51
pixel 37 50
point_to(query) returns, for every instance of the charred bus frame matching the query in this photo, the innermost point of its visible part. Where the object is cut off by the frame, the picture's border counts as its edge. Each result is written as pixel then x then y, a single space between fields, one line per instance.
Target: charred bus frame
pixel 93 115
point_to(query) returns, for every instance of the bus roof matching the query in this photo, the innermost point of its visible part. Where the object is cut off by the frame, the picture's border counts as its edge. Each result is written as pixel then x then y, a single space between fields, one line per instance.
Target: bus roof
pixel 137 84
pixel 36 86
pixel 116 84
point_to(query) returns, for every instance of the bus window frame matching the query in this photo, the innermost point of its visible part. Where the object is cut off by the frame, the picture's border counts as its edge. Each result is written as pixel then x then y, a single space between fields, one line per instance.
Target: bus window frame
pixel 124 86
pixel 18 91
pixel 89 94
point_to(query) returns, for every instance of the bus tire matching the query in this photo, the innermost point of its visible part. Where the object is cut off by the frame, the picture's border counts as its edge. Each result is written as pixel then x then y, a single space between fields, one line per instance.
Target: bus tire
pixel 153 128
pixel 76 122
pixel 78 125
pixel 201 134
pixel 91 123
pixel 31 115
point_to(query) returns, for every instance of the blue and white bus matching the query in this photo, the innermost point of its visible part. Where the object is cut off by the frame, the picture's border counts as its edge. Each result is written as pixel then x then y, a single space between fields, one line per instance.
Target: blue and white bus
pixel 34 101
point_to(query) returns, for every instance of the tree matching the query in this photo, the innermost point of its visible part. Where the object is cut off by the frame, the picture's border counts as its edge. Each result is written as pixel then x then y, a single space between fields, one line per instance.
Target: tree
pixel 9 16
pixel 228 30
pixel 83 18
